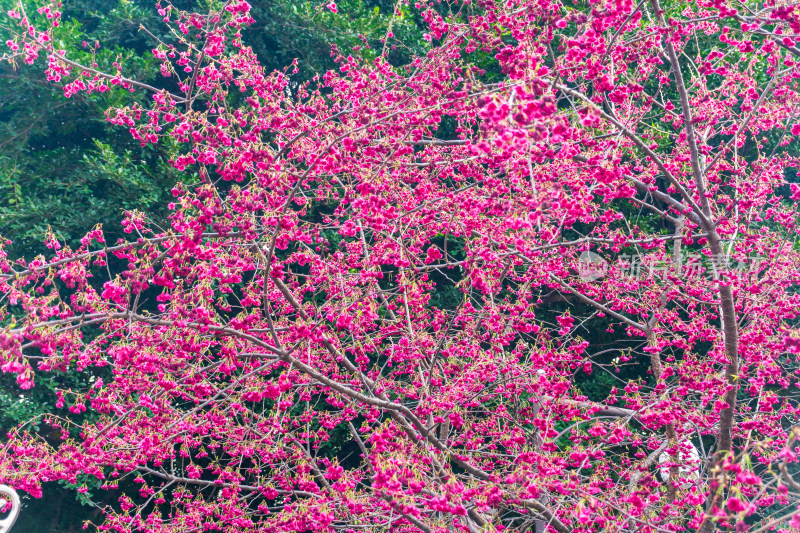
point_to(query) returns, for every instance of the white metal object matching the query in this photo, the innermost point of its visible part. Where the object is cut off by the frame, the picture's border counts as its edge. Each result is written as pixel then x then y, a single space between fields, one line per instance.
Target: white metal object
pixel 8 494
pixel 687 459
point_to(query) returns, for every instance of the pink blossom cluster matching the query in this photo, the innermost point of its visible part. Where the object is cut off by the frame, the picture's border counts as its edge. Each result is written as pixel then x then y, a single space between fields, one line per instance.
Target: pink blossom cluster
pixel 281 356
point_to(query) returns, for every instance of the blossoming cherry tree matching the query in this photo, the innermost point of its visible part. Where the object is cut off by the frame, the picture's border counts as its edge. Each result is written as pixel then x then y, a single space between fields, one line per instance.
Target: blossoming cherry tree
pixel 369 309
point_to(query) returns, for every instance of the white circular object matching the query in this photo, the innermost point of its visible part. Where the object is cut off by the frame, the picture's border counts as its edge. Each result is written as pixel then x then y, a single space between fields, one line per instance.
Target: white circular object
pixel 687 459
pixel 8 494
pixel 591 266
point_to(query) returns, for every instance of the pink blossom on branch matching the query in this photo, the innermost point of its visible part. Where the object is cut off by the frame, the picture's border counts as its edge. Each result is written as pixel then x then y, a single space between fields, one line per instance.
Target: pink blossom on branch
pixel 280 356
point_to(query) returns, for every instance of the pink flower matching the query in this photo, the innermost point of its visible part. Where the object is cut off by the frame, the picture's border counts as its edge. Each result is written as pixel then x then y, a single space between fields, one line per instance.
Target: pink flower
pixel 736 505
